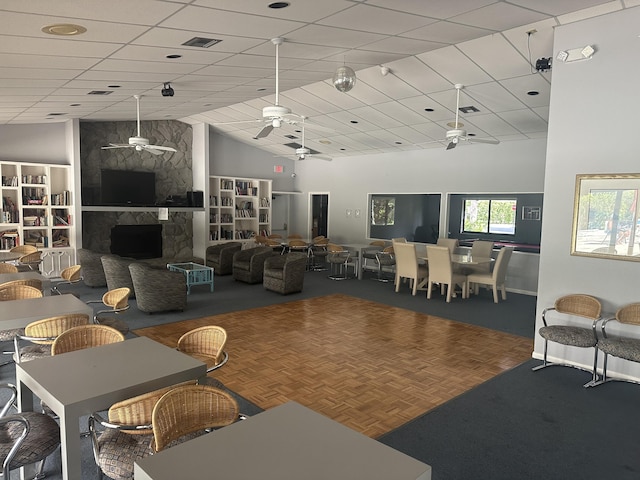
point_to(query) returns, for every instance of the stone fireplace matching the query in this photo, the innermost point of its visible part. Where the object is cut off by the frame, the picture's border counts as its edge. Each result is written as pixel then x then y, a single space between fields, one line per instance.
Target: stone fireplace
pixel 137 241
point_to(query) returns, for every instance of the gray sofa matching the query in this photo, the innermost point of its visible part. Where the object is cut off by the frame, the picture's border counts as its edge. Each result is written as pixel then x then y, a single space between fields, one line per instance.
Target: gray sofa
pixel 220 257
pixel 285 273
pixel 158 289
pixel 248 265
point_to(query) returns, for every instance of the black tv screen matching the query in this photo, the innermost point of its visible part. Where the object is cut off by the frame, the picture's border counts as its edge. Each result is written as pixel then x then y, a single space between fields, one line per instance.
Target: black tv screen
pixel 128 187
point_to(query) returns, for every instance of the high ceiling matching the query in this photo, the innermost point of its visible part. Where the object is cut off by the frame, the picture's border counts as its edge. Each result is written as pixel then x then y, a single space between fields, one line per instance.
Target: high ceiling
pixel 428 46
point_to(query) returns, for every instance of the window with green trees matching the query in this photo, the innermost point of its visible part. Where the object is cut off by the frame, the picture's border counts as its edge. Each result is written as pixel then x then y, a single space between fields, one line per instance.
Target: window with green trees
pixel 383 210
pixel 483 215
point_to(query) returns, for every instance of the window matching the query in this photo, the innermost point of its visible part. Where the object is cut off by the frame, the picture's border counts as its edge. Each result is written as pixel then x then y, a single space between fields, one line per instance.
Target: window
pixel 488 215
pixel 383 210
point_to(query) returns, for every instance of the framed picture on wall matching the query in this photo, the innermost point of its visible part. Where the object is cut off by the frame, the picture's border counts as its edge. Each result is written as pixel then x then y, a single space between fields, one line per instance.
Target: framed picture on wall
pixel 531 213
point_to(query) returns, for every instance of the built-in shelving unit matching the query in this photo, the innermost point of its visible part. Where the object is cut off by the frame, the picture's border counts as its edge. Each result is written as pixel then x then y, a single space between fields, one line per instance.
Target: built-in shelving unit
pixel 239 208
pixel 37 207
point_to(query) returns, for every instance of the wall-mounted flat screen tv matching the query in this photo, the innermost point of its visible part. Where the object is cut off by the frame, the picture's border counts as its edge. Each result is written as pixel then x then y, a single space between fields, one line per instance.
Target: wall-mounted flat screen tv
pixel 128 187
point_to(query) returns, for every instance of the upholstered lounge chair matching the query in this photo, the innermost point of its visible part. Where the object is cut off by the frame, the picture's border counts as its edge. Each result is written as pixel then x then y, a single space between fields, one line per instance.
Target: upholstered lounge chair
pixel 116 271
pixel 285 273
pixel 248 265
pixel 158 289
pixel 220 257
pixel 92 271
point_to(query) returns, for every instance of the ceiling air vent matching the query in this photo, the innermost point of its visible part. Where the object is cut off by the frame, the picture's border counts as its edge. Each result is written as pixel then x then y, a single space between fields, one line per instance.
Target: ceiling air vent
pixel 471 109
pixel 100 92
pixel 291 137
pixel 295 146
pixel 201 42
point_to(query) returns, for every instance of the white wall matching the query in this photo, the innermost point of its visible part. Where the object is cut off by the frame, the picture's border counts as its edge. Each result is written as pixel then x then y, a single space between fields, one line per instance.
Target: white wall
pixel 593 128
pixel 45 143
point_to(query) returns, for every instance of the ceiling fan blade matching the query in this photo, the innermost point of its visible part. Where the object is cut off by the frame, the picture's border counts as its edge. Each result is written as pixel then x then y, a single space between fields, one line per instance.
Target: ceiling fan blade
pixel 266 130
pixel 452 145
pixel 255 120
pixel 160 147
pixel 152 150
pixel 117 145
pixel 483 140
pixel 322 157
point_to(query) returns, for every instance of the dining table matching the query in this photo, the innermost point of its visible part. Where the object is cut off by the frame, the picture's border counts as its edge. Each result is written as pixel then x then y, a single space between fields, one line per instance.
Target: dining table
pixel 287 442
pixel 81 382
pixel 20 313
pixel 460 259
pixel 9 277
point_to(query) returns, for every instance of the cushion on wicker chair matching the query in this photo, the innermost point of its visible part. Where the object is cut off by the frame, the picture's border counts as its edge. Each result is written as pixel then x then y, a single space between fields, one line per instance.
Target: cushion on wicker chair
pixel 42 440
pixel 567 335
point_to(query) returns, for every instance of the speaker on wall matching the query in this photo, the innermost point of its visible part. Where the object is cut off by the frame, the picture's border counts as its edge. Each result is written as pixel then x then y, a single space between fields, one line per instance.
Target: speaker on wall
pixel 195 199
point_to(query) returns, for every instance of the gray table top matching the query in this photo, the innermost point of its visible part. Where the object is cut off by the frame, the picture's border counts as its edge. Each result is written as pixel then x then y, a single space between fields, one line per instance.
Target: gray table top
pixel 19 313
pixel 9 256
pixel 288 442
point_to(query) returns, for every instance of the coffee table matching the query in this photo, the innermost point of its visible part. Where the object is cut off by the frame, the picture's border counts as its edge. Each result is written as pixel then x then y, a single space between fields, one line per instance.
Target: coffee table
pixel 195 273
pixel 288 442
pixel 85 381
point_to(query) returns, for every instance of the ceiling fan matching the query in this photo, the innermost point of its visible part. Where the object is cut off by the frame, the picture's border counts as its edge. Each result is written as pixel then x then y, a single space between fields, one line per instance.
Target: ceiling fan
pixel 140 143
pixel 273 116
pixel 303 152
pixel 458 133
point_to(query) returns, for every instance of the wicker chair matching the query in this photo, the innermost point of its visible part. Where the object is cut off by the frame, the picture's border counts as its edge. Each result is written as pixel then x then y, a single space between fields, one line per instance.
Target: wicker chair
pixel 220 257
pixel 24 249
pixel 285 273
pixel 319 252
pixel 144 425
pixel 579 307
pixel 158 289
pixel 248 265
pixel 117 301
pixel 85 336
pixel 206 344
pixel 340 260
pixel 25 438
pixel 8 268
pixel 624 347
pixel 116 271
pixel 92 270
pixel 385 258
pixel 369 253
pixel 42 333
pixel 18 290
pixel 69 275
pixel 30 262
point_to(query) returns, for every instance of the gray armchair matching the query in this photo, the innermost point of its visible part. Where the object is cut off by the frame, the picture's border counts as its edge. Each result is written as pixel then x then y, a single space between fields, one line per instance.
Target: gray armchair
pixel 116 271
pixel 220 257
pixel 158 289
pixel 285 273
pixel 92 270
pixel 248 265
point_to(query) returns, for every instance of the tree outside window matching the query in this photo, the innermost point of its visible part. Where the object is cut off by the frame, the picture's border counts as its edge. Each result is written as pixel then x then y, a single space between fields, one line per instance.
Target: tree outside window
pixel 383 210
pixel 490 216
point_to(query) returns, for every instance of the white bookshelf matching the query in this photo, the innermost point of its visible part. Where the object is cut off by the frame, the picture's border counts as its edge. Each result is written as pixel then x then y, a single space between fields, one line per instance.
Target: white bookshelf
pixel 37 209
pixel 238 208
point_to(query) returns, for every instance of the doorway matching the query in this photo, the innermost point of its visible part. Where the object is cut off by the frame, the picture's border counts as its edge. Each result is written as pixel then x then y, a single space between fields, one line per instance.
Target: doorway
pixel 280 205
pixel 319 218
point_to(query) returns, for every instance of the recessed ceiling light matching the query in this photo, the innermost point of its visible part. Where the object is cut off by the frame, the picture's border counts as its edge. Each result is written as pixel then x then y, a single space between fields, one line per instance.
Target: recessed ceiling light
pixel 279 5
pixel 533 92
pixel 471 134
pixel 99 92
pixel 428 109
pixel 64 29
pixel 174 55
pixel 343 149
pixel 261 89
pixel 354 121
pixel 398 143
pixel 75 105
pixel 56 114
pixel 325 142
pixel 113 86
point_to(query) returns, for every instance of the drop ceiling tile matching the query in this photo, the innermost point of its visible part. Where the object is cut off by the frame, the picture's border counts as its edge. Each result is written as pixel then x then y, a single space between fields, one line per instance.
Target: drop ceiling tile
pixel 447 32
pixel 418 75
pixel 174 38
pixel 352 120
pixel 519 86
pixel 490 96
pixel 53 46
pixel 402 45
pixel 390 85
pixel 499 16
pixel 370 140
pixel 434 8
pixel 400 113
pixel 291 49
pixel 27 73
pixel 410 135
pixel 418 105
pixel 246 73
pixel 301 10
pixel 364 58
pixel 335 37
pixel 159 54
pixel 495 55
pixel 303 97
pixel 229 23
pixel 261 61
pixel 431 130
pixel 525 121
pixel 376 117
pixel 589 12
pixel 454 66
pixel 492 125
pixel 378 20
pixel 542 112
pixel 328 92
pixel 536 45
pixel 555 7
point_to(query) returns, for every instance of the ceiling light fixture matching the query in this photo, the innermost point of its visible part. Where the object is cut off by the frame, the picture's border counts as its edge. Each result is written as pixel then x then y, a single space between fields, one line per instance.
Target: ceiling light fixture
pixel 64 29
pixel 279 5
pixel 384 71
pixel 344 79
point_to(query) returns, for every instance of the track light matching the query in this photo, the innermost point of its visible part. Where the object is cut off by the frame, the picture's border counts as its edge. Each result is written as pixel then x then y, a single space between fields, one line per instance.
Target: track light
pixel 167 91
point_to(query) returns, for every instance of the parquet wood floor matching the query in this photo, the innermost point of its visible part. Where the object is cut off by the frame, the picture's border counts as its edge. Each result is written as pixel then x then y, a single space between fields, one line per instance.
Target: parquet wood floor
pixel 368 366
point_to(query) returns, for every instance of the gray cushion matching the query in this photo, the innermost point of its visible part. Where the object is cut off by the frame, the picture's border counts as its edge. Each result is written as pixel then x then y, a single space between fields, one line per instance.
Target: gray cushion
pixel 42 440
pixel 567 335
pixel 627 348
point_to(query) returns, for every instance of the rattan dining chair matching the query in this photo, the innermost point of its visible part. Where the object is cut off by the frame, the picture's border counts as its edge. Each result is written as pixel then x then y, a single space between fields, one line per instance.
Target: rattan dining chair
pixel 8 268
pixel 85 336
pixel 577 307
pixel 30 262
pixel 117 301
pixel 25 438
pixel 340 260
pixel 620 345
pixel 23 249
pixel 385 258
pixel 206 344
pixel 17 290
pixel 42 333
pixel 69 275
pixel 149 423
pixel 369 253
